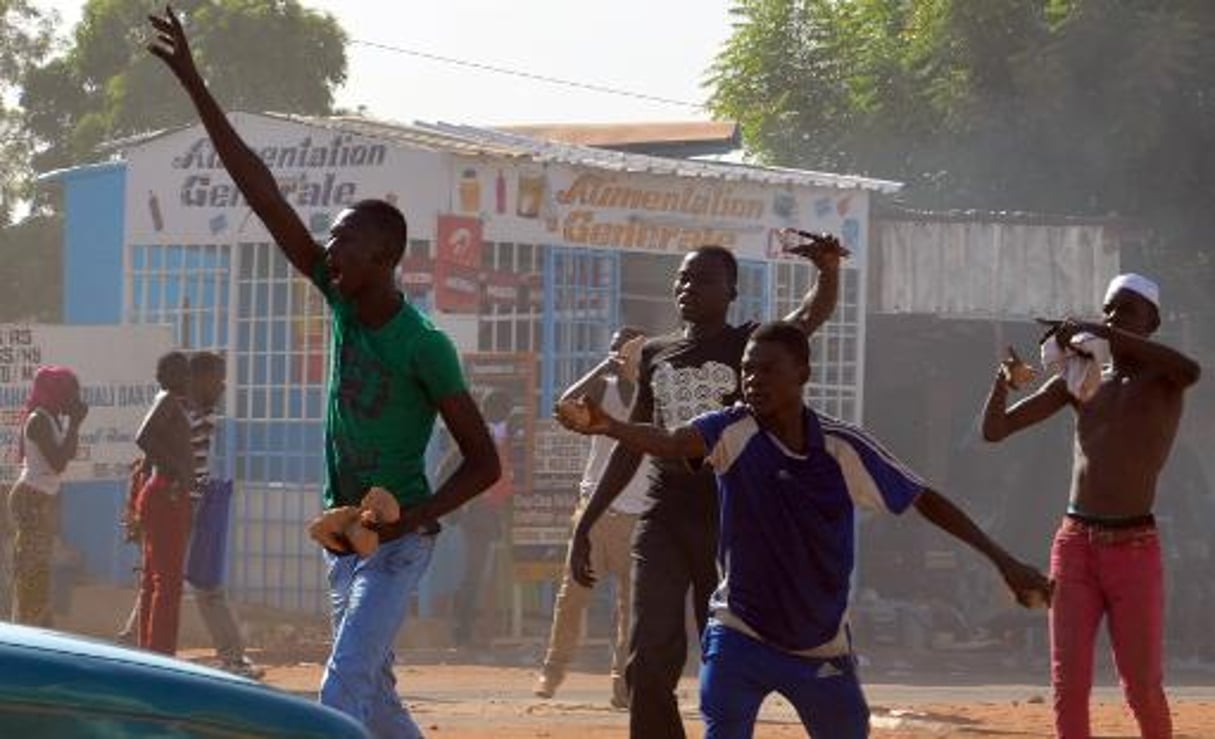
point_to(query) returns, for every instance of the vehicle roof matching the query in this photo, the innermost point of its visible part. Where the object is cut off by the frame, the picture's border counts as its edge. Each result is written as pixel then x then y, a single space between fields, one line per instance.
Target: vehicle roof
pixel 47 669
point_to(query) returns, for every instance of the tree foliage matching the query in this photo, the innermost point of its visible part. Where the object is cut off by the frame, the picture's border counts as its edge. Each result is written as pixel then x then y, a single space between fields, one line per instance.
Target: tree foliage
pixel 24 41
pixel 257 55
pixel 1084 105
pixel 31 279
pixel 101 85
pixel 1091 107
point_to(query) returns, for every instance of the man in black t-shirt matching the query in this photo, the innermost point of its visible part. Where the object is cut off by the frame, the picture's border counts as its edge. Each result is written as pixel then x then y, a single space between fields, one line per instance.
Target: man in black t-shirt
pixel 682 375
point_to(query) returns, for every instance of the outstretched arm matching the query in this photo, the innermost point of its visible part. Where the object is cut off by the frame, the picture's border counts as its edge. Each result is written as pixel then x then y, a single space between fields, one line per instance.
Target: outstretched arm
pixel 1030 586
pixel 682 442
pixel 819 303
pixel 247 170
pixel 585 416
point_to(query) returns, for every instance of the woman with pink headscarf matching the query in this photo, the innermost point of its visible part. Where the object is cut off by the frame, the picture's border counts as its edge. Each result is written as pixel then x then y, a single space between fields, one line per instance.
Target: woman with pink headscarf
pixel 49 436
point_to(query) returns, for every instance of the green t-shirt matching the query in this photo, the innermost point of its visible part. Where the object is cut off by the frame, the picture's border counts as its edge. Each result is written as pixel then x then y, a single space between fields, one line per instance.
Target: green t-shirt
pixel 384 388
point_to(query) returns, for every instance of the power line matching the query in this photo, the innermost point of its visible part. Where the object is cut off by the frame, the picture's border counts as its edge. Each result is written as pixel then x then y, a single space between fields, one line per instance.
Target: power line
pixel 526 75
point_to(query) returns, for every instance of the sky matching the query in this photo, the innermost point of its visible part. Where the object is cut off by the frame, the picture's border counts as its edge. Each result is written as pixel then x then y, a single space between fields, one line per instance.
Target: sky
pixel 661 48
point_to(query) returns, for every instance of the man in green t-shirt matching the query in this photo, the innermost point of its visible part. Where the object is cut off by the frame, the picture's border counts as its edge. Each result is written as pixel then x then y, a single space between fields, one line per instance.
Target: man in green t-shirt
pixel 391 373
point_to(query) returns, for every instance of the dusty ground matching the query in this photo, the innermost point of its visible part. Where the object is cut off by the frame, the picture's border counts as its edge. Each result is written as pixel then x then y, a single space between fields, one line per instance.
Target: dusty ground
pixel 467 701
pixel 487 693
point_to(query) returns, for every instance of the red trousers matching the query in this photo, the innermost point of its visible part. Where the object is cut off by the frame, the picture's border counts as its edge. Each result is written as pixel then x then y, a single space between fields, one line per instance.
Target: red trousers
pixel 164 517
pixel 1118 575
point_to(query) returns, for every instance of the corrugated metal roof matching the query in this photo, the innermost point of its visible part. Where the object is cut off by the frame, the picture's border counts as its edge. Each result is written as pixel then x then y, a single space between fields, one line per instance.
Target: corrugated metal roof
pixel 83 170
pixel 977 269
pixel 475 141
pixel 585 156
pixel 615 135
pixel 433 138
pixel 897 212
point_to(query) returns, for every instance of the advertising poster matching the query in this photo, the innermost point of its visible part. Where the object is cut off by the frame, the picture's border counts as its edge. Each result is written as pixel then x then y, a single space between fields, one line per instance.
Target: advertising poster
pixel 118 386
pixel 458 264
pixel 593 208
pixel 542 526
pixel 514 374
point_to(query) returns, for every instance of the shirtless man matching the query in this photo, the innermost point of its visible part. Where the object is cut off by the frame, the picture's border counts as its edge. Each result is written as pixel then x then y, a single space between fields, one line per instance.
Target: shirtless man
pixel 1106 554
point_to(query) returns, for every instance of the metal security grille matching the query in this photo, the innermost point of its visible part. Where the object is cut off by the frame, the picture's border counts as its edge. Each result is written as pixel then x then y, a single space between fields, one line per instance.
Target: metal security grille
pixel 185 286
pixel 752 303
pixel 191 287
pixel 503 327
pixel 273 561
pixel 245 301
pixel 277 398
pixel 836 353
pixel 513 326
pixel 581 311
pixel 188 287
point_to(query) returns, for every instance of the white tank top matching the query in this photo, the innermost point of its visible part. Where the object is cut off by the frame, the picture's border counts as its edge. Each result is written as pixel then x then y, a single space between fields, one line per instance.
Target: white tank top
pixel 36 471
pixel 632 499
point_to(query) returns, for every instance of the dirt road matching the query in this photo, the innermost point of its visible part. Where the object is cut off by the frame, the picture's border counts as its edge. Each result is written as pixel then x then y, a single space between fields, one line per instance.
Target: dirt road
pixel 469 701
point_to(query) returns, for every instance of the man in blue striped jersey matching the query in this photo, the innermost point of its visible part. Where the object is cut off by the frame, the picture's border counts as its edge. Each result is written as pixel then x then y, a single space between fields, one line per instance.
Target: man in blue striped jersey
pixel 789 481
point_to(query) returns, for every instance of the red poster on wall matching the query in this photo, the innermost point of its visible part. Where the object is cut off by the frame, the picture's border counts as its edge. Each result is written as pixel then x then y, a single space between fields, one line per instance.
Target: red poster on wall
pixel 458 264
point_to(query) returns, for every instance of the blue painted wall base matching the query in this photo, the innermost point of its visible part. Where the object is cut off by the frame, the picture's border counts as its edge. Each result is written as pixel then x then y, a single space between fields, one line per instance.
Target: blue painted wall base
pixel 89 525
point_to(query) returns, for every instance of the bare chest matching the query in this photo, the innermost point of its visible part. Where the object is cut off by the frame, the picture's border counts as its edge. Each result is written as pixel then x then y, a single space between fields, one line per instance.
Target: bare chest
pixel 1128 410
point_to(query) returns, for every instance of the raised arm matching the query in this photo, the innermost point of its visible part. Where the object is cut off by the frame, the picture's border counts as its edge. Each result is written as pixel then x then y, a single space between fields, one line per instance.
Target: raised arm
pixel 248 171
pixel 1030 586
pixel 819 303
pixel 592 385
pixel 622 361
pixel 999 420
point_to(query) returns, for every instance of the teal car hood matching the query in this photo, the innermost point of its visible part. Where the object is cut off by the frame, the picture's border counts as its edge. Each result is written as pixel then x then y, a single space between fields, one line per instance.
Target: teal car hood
pixel 49 672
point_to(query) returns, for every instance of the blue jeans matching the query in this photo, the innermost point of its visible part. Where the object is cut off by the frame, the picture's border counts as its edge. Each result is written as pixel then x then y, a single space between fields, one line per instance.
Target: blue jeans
pixel 739 672
pixel 370 598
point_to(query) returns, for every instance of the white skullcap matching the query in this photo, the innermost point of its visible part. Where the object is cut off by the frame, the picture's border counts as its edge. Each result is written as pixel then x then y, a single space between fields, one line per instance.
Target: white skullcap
pixel 1137 284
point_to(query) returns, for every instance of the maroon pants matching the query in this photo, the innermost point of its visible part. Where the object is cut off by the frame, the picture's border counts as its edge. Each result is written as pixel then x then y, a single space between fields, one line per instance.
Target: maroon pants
pixel 1116 574
pixel 164 517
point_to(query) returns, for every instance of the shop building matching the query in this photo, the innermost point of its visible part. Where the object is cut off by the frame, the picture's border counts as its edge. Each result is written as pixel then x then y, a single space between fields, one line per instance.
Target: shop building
pixel 529 253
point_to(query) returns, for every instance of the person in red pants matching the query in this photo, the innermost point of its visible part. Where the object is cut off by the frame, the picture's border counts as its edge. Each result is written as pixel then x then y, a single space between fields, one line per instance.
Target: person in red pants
pixel 162 506
pixel 1106 556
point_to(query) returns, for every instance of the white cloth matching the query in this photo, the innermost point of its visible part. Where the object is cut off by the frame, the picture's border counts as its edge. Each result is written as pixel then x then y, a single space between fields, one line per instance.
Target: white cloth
pixel 1137 284
pixel 1080 364
pixel 36 470
pixel 632 499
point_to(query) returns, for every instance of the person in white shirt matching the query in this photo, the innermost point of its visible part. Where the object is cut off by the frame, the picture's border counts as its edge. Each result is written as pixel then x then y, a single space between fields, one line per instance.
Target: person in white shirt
pixel 49 436
pixel 613 384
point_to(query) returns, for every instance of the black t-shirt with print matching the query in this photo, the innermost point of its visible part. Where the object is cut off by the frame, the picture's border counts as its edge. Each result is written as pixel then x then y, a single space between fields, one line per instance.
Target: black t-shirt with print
pixel 682 378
